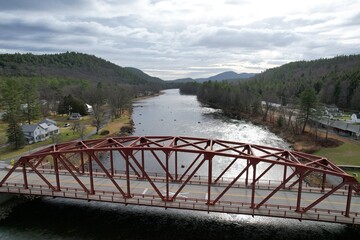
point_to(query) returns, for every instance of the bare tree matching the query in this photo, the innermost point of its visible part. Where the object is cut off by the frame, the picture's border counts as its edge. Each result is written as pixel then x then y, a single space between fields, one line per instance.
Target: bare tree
pixel 81 128
pixel 98 116
pixel 119 98
pixel 96 98
pixel 269 98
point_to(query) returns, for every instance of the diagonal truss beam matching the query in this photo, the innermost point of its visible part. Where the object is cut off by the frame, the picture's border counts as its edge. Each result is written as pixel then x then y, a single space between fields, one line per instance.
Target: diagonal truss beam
pixel 193 148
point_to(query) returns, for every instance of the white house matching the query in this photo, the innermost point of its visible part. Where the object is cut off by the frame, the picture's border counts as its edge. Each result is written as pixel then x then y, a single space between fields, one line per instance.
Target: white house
pixel 355 118
pixel 40 132
pixel 33 133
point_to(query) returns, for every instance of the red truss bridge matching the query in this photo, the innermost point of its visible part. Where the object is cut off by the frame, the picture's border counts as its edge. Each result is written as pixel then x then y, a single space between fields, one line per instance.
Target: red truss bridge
pixel 190 173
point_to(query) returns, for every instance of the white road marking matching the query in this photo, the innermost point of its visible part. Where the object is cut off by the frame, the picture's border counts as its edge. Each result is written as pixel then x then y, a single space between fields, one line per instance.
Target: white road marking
pixel 144 192
pixel 179 194
pixel 206 196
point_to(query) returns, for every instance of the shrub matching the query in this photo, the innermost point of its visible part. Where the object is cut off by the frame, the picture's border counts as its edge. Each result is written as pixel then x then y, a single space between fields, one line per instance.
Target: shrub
pixel 104 132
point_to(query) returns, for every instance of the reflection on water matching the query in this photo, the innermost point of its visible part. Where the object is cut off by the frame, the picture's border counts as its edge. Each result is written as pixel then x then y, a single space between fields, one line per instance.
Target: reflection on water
pixel 73 219
pixel 167 114
pixel 182 115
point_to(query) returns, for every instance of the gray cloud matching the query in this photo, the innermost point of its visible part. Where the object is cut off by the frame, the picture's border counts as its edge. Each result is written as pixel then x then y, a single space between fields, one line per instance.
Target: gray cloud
pixel 247 38
pixel 41 5
pixel 173 39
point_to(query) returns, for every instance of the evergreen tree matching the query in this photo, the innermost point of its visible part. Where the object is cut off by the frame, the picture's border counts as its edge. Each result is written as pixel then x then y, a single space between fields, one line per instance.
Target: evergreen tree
pixel 31 109
pixel 308 106
pixel 72 105
pixel 11 102
pixel 15 134
pixel 11 93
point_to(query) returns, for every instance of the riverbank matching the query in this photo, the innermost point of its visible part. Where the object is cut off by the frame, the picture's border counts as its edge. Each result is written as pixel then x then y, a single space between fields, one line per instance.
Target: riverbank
pixel 338 149
pixel 305 142
pixel 114 127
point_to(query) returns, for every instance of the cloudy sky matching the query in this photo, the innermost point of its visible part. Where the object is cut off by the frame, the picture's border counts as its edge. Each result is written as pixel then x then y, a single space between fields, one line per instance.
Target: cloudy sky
pixel 184 38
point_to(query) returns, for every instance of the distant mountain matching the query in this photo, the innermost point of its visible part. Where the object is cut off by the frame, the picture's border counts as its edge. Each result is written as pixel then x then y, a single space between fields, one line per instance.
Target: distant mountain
pixel 71 65
pixel 230 75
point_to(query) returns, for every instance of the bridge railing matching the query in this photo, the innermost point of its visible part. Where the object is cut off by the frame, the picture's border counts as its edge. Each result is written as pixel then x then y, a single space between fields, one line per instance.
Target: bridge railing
pixel 236 207
pixel 187 161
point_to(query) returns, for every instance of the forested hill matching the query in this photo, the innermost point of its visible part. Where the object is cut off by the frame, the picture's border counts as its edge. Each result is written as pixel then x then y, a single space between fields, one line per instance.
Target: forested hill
pixel 335 81
pixel 70 65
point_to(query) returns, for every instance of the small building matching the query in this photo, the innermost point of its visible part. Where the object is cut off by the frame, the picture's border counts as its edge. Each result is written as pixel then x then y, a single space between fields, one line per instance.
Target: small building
pixel 89 109
pixel 355 118
pixel 341 128
pixel 74 116
pixel 333 111
pixel 49 122
pixel 271 104
pixel 33 133
pixel 40 132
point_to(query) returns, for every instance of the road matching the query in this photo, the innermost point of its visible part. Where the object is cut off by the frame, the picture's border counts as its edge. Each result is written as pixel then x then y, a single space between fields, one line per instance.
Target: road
pixel 192 196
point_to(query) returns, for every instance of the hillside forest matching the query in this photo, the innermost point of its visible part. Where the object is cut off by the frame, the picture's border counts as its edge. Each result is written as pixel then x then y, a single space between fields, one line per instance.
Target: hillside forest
pixel 334 81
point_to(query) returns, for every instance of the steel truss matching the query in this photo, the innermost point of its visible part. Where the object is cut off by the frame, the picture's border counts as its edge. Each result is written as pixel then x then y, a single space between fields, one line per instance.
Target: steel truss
pixel 182 160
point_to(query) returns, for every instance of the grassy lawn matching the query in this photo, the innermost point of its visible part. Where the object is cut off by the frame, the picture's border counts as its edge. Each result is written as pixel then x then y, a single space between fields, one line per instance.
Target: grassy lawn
pixel 114 125
pixel 8 152
pixel 3 137
pixel 351 172
pixel 65 135
pixel 345 154
pixel 346 117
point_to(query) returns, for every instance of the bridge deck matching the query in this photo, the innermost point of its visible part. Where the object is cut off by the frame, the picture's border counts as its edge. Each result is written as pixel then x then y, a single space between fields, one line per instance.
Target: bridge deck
pixel 118 170
pixel 193 196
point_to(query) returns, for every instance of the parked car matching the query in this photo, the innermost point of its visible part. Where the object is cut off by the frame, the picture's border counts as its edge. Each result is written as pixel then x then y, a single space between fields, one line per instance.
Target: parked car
pixel 67 125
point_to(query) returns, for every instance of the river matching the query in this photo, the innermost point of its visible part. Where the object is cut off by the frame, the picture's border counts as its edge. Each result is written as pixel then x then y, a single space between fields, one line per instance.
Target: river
pixel 176 115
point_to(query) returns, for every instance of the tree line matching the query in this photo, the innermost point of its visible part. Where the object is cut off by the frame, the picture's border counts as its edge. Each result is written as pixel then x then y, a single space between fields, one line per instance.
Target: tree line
pixel 71 65
pixel 303 84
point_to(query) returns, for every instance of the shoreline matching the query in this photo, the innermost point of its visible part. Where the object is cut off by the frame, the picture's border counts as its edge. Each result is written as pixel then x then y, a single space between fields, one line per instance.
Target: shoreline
pixel 306 142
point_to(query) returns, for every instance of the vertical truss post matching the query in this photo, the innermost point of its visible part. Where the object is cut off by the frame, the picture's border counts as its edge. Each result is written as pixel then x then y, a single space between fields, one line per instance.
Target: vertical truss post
pixel 285 173
pixel 176 166
pixel 176 161
pixel 82 163
pixel 247 163
pixel 111 163
pixel 92 191
pixel 25 177
pixel 348 201
pixel 142 163
pixel 127 170
pixel 209 180
pixel 298 201
pixel 252 205
pixel 323 182
pixel 167 175
pixel 143 174
pixel 56 168
pixel 247 173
